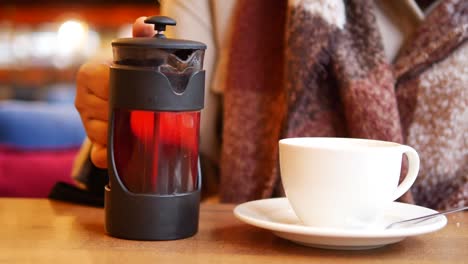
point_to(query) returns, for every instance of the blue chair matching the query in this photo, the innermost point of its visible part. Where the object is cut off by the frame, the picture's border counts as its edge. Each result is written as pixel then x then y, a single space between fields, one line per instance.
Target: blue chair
pixel 40 125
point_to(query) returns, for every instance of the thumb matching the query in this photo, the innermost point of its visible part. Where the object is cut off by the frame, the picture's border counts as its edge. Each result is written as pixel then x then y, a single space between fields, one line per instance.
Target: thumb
pixel 140 29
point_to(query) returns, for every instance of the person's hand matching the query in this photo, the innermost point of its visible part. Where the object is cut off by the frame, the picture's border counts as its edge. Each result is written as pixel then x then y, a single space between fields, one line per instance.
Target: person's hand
pixel 92 95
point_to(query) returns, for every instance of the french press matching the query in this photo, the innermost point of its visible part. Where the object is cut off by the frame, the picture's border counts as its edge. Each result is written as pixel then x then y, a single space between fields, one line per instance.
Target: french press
pixel 156 95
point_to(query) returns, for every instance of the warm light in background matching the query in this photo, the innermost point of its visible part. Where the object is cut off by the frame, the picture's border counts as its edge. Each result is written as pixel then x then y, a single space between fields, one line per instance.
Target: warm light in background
pixel 21 45
pixel 58 45
pixel 43 45
pixel 75 39
pixel 71 36
pixel 58 36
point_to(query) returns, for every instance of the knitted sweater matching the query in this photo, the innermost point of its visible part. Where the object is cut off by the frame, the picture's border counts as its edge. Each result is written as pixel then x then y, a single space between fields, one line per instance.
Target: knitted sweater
pixel 327 76
pixel 432 85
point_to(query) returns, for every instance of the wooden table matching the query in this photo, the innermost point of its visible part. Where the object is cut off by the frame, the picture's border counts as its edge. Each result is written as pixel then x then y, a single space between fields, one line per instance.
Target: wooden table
pixel 43 231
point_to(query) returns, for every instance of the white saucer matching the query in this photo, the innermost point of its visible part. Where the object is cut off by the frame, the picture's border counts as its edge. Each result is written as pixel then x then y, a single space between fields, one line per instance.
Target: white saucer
pixel 276 215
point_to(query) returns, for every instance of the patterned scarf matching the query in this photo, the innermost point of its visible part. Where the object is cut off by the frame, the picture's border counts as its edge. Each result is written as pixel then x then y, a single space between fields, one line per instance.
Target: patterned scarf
pixel 317 68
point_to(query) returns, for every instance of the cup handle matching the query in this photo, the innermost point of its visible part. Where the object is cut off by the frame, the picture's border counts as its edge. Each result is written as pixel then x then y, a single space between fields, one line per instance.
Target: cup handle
pixel 413 169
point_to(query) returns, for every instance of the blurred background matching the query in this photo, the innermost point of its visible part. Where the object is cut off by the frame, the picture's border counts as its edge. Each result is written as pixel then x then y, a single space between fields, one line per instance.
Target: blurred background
pixel 42 45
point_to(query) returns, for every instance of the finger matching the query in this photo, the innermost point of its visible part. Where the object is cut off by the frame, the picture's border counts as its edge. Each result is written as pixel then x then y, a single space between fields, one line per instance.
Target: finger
pixel 92 107
pixel 99 156
pixel 93 78
pixel 141 29
pixel 96 131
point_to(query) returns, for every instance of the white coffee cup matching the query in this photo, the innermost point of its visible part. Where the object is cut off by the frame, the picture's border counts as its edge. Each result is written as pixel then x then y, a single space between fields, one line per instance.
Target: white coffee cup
pixel 343 182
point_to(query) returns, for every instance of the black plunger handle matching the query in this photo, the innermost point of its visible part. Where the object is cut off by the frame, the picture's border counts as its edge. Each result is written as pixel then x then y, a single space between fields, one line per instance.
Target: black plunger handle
pixel 160 23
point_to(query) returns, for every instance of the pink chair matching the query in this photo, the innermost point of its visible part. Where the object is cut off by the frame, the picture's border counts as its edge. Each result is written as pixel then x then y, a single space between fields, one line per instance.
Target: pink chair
pixel 33 173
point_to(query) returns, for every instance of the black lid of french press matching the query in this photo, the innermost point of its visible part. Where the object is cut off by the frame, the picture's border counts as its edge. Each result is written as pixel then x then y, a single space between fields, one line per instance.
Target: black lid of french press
pixel 159 40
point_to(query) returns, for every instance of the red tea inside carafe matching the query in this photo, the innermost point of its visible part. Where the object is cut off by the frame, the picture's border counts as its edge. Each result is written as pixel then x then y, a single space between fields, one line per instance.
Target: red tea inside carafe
pixel 156 152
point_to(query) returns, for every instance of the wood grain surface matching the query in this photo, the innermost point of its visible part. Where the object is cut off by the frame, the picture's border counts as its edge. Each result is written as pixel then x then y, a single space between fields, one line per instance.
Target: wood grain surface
pixel 44 231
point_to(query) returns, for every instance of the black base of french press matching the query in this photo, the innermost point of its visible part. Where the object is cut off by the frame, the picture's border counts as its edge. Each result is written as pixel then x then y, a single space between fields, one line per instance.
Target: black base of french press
pixel 151 217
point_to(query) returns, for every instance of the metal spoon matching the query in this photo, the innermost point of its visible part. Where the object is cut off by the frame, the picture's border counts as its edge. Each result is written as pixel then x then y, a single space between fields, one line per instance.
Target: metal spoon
pixel 426 217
